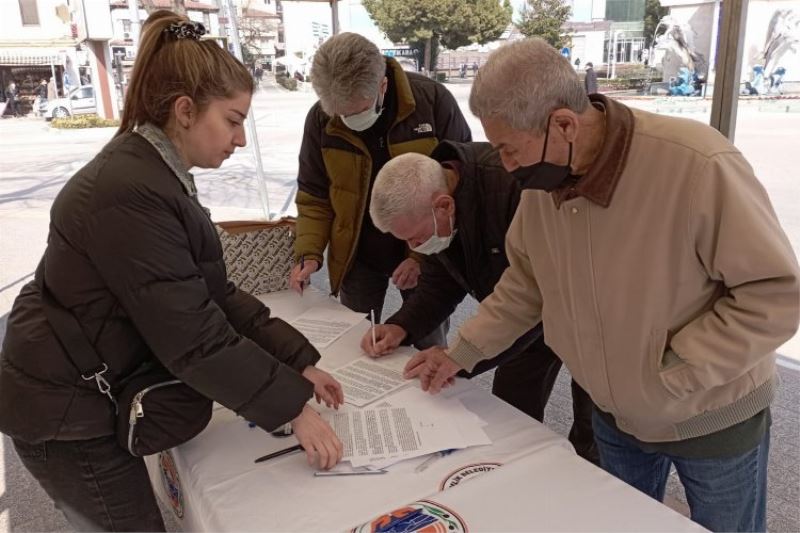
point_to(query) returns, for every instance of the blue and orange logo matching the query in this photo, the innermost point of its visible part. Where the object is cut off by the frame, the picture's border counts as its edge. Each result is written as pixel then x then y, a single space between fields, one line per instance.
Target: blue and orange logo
pixel 423 516
pixel 172 483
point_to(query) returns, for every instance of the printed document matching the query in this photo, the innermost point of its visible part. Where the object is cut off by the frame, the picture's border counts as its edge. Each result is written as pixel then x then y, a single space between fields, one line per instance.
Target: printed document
pixel 323 326
pixel 365 380
pixel 383 436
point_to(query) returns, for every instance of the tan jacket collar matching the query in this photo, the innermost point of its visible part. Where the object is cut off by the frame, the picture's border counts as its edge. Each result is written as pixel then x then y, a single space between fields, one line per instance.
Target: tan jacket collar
pixel 599 183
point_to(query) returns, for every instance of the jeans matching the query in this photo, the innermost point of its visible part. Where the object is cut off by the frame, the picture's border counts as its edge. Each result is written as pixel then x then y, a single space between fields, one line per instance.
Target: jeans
pixel 526 381
pixel 95 483
pixel 724 493
pixel 364 290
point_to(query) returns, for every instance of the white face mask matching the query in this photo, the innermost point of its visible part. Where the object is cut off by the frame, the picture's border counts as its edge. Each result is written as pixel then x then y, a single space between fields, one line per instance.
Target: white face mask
pixel 436 244
pixel 364 120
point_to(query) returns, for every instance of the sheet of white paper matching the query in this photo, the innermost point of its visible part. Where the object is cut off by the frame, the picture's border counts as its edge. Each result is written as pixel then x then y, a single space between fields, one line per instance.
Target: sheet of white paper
pixel 387 435
pixel 323 326
pixel 365 380
pixel 437 408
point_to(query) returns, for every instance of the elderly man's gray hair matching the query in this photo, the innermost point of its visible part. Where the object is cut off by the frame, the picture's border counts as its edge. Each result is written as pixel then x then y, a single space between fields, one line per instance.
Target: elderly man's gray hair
pixel 523 82
pixel 405 186
pixel 346 66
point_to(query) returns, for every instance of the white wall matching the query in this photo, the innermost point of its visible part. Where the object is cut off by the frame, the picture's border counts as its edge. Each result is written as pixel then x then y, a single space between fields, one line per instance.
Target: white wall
pixel 50 26
pixel 588 46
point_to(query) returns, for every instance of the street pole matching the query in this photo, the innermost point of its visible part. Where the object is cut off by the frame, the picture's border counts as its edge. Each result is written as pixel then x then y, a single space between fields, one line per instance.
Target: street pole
pixel 136 25
pixel 712 54
pixel 614 56
pixel 233 34
pixel 335 16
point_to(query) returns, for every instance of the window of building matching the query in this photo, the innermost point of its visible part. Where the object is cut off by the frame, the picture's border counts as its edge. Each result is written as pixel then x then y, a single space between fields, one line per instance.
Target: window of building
pixel 29 12
pixel 624 10
pixel 126 26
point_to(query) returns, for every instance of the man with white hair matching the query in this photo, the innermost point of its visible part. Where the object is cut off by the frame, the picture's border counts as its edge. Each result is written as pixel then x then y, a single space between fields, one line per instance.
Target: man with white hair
pixel 654 259
pixel 455 207
pixel 369 110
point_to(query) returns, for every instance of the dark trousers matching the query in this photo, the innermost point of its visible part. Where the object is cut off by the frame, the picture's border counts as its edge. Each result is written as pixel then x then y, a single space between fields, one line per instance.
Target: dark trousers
pixel 95 483
pixel 526 381
pixel 364 289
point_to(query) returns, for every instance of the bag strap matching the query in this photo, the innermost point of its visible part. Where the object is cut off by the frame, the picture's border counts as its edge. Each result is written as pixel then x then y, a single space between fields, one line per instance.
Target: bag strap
pixel 69 333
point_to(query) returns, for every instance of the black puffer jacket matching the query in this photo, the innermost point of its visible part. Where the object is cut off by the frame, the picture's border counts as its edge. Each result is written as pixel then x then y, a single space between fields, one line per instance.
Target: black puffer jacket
pixel 137 260
pixel 486 199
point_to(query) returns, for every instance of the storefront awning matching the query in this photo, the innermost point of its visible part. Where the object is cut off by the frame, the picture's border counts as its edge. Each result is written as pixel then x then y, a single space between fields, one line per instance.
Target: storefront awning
pixel 15 57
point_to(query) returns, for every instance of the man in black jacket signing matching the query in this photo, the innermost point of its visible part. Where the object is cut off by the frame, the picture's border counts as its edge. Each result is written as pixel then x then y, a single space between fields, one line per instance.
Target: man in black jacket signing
pixel 455 207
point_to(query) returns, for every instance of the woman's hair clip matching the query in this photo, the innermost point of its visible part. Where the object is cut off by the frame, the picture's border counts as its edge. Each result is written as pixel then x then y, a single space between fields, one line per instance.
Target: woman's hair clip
pixel 186 30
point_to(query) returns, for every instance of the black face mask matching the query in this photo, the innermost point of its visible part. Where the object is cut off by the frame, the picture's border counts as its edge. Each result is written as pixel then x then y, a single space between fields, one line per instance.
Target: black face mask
pixel 542 175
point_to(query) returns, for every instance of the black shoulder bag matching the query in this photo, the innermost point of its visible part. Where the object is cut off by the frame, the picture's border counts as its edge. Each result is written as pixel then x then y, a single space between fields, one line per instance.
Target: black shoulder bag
pixel 155 411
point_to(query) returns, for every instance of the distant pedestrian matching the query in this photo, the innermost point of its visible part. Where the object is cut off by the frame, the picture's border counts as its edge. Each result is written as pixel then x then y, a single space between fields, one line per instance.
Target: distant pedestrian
pixel 577 63
pixel 590 81
pixel 52 90
pixel 474 68
pixel 12 100
pixel 41 96
pixel 463 71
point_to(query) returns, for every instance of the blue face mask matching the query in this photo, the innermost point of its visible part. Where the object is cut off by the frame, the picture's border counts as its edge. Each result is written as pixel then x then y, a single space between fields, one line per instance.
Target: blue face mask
pixel 435 243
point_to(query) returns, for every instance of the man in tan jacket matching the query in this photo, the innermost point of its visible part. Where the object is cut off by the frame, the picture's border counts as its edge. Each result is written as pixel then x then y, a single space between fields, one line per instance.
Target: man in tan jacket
pixel 655 261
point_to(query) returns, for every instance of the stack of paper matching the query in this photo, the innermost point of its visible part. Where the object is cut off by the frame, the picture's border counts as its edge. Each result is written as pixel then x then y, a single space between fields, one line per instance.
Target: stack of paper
pixel 408 424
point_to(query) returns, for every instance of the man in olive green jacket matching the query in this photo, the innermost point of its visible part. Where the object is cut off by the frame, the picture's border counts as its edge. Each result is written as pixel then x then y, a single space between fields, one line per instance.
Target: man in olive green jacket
pixel 369 111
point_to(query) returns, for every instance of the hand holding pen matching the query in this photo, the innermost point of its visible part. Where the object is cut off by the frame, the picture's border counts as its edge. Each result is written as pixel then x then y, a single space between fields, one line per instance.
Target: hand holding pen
pixel 300 276
pixel 382 339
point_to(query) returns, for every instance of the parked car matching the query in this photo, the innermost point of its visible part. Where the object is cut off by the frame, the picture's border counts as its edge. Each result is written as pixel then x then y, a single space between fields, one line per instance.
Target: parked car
pixel 80 101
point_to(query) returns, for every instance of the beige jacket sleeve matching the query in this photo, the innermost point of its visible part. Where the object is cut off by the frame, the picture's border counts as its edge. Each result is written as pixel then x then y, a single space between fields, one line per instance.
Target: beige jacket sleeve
pixel 738 241
pixel 511 310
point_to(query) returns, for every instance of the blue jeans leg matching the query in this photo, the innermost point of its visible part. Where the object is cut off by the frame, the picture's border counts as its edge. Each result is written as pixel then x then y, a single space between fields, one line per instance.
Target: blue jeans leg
pixel 724 493
pixel 623 459
pixel 730 493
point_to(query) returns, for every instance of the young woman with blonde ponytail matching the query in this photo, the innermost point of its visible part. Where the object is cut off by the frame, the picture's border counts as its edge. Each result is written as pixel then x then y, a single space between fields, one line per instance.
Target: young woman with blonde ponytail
pixel 134 257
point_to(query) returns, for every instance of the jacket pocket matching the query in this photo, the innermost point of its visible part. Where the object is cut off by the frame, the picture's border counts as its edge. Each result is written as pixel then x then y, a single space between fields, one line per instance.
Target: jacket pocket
pixel 675 374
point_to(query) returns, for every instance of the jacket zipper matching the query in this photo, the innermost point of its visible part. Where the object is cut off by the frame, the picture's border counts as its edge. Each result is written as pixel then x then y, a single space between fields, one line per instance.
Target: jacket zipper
pixel 137 409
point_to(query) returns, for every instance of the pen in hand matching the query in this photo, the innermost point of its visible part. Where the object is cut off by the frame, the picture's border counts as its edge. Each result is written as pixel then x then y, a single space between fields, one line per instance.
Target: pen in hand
pixel 302 267
pixel 372 319
pixel 273 455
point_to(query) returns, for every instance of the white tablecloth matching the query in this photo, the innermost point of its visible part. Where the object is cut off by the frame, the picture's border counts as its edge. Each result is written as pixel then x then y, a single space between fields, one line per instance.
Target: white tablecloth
pixel 528 479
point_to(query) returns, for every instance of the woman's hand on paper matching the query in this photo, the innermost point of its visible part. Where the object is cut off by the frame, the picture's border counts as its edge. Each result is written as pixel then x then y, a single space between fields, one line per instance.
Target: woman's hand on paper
pixel 323 448
pixel 326 388
pixel 387 338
